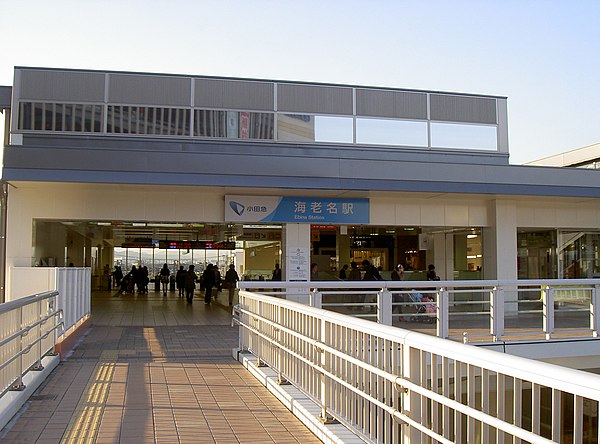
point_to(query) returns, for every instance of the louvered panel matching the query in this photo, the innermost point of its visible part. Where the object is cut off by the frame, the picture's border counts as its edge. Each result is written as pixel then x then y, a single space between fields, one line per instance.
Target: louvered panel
pixel 393 104
pixel 463 109
pixel 149 90
pixel 314 99
pixel 61 86
pixel 232 94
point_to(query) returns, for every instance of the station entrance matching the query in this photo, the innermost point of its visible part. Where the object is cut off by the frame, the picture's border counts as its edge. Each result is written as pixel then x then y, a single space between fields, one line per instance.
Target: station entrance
pixel 254 249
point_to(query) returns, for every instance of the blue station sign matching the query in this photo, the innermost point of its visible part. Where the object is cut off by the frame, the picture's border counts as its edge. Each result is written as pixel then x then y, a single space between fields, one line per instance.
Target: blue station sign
pixel 313 210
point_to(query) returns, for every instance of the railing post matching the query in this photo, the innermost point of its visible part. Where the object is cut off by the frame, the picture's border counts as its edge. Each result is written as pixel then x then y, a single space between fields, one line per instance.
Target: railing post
pixel 325 417
pixel 443 315
pixel 384 307
pixel 594 310
pixel 38 335
pixel 316 298
pixel 281 380
pixel 548 310
pixel 18 385
pixel 497 313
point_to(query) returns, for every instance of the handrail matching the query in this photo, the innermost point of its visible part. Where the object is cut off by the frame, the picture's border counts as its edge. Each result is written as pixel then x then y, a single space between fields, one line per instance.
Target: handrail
pixel 28 348
pixel 26 335
pixel 17 303
pixel 343 363
pixel 414 284
pixel 495 302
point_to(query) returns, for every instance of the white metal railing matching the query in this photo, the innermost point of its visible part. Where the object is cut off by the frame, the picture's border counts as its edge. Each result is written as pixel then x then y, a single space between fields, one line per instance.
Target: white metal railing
pixel 469 310
pixel 72 283
pixel 29 328
pixel 393 385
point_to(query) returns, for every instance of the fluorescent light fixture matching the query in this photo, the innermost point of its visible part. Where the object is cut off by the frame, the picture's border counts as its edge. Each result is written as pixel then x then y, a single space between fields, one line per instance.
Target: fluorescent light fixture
pixel 164 225
pixel 138 224
pixel 471 236
pixel 104 224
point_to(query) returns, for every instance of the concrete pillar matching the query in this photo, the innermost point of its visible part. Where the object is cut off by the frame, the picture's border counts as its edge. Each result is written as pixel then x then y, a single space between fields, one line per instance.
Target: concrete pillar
pixel 343 249
pixel 500 249
pixel 296 250
pixel 500 242
pixel 440 256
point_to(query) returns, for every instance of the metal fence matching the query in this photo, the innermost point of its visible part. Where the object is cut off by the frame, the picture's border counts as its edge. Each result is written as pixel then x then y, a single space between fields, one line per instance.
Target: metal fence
pixel 465 310
pixel 395 385
pixel 29 328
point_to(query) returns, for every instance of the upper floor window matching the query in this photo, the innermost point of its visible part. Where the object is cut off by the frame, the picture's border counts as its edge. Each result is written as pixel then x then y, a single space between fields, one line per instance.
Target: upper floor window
pixel 72 117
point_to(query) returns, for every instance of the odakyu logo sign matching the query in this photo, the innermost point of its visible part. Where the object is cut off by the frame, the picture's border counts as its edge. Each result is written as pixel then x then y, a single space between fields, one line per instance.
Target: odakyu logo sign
pixel 237 207
pixel 249 208
pixel 296 209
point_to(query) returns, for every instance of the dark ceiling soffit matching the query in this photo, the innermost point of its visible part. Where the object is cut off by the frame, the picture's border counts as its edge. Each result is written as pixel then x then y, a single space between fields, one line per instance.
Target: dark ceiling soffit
pixel 308 183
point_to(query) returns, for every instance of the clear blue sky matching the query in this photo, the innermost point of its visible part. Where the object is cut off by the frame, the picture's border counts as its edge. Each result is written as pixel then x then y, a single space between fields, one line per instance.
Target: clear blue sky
pixel 543 55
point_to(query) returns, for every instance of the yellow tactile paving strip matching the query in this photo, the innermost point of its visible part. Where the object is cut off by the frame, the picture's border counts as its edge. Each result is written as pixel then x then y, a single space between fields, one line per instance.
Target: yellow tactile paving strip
pixel 155 384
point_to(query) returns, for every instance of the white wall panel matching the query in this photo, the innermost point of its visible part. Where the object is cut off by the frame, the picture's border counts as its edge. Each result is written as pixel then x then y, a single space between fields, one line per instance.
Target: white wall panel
pixel 587 216
pixel 544 216
pixel 478 215
pixel 456 214
pixel 383 211
pixel 408 213
pixel 432 215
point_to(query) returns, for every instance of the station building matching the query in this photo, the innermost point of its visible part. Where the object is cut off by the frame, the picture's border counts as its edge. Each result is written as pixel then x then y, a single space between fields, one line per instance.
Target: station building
pixel 124 168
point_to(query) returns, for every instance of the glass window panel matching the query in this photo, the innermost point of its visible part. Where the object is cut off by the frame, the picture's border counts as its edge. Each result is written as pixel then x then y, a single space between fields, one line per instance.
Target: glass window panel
pixel 453 135
pixel 172 260
pixel 233 124
pixel 68 117
pixel 25 121
pixel 305 128
pixel 185 258
pixel 391 132
pixel 39 114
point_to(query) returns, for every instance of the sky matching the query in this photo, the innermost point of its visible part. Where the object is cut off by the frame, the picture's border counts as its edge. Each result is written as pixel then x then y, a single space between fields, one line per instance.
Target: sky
pixel 544 55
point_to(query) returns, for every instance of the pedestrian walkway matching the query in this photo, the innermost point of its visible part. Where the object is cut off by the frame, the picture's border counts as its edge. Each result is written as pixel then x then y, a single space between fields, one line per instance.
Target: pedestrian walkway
pixel 155 370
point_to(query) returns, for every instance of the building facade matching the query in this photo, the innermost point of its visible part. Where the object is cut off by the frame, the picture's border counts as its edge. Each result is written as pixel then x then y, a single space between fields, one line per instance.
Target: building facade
pixel 128 169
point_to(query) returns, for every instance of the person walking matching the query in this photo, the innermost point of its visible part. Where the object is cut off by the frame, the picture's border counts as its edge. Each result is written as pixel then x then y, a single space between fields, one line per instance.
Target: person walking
pixel 343 271
pixel 276 273
pixel 180 280
pixel 165 274
pixel 231 278
pixel 208 280
pixel 398 273
pixel 354 274
pixel 190 284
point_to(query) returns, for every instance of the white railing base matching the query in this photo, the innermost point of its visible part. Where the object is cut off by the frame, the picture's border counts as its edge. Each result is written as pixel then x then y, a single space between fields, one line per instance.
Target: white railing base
pixel 12 401
pixel 298 403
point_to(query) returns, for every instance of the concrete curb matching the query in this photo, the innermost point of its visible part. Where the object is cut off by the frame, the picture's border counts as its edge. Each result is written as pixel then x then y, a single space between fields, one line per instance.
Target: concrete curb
pixel 298 403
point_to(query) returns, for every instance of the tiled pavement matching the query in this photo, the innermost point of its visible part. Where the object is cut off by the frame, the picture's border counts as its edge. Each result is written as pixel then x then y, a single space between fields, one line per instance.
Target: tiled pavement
pixel 154 370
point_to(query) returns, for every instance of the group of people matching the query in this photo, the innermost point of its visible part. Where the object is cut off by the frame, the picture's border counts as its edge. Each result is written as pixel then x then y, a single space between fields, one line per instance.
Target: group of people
pixel 371 272
pixel 137 277
pixel 185 281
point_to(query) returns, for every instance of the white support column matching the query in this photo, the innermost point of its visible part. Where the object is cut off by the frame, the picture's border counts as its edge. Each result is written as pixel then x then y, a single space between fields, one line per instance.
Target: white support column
pixel 296 250
pixel 439 255
pixel 500 249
